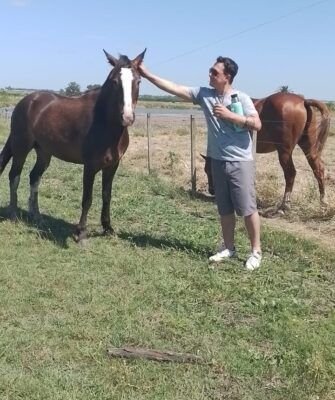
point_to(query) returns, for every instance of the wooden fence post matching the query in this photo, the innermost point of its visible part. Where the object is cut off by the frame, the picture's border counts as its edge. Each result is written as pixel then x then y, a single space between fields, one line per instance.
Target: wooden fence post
pixel 149 142
pixel 193 164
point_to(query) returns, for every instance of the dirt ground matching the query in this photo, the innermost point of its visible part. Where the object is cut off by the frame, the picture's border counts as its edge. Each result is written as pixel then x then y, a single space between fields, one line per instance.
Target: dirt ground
pixel 170 158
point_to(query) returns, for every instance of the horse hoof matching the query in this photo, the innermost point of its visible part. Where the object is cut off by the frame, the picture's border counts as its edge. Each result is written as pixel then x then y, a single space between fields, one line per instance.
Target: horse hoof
pixel 324 204
pixel 80 236
pixel 13 216
pixel 35 217
pixel 109 231
pixel 272 212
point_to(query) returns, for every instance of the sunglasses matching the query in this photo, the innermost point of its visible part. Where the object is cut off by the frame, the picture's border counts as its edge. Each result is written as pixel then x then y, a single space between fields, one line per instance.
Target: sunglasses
pixel 213 72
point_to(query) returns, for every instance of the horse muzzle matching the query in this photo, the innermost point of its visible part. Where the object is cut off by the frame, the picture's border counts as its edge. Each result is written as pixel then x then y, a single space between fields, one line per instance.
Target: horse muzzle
pixel 128 119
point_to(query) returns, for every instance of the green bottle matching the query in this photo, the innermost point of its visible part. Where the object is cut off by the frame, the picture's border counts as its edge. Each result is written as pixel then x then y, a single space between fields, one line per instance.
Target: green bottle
pixel 236 107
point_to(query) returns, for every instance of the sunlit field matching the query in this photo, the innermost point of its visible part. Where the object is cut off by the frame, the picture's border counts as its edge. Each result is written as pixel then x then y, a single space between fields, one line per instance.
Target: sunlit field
pixel 268 335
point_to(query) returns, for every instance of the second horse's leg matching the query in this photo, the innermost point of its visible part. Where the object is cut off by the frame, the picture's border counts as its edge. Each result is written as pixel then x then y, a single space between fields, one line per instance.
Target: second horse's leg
pixel 286 162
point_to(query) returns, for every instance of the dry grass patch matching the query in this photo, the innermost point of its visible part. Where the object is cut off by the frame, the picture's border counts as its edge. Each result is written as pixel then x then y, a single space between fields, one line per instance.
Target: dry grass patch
pixel 171 160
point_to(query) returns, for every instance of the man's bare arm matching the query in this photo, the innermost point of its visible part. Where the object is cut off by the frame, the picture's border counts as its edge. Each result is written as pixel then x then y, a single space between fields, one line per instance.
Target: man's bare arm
pixel 166 85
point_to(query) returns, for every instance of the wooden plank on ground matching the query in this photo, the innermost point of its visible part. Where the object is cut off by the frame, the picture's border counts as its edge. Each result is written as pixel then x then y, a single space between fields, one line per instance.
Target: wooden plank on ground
pixel 155 355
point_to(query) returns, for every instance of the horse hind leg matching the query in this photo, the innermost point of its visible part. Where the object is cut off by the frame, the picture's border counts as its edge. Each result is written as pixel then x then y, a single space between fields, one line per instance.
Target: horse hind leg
pixel 317 165
pixel 42 163
pixel 14 181
pixel 286 162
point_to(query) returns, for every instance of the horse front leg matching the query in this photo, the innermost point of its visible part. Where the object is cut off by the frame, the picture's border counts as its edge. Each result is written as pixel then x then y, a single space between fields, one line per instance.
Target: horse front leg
pixel 88 181
pixel 107 181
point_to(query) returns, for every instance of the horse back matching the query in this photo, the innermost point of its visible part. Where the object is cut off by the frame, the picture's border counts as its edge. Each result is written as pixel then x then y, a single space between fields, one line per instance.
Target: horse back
pixel 57 124
pixel 283 117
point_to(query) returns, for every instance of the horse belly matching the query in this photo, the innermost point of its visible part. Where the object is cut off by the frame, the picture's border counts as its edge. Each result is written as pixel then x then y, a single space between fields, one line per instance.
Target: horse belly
pixel 265 147
pixel 63 149
pixel 74 157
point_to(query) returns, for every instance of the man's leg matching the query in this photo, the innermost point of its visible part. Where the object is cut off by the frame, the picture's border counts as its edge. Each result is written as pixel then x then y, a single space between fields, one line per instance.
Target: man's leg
pixel 252 224
pixel 228 230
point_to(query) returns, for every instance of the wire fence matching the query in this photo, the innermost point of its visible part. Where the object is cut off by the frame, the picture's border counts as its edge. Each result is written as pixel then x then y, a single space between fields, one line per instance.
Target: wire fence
pixel 168 143
pixel 6 113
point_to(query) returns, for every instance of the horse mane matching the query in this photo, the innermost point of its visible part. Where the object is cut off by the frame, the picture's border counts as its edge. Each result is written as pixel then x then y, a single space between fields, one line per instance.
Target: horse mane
pixel 123 61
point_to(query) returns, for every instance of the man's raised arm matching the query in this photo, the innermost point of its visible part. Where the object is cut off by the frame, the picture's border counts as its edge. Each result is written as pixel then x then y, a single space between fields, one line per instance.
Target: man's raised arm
pixel 168 86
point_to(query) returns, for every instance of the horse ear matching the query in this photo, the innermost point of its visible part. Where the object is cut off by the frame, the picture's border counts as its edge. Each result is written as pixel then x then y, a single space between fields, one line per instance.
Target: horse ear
pixel 136 61
pixel 112 60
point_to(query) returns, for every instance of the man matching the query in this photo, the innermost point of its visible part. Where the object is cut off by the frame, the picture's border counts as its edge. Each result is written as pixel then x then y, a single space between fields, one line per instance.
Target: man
pixel 230 147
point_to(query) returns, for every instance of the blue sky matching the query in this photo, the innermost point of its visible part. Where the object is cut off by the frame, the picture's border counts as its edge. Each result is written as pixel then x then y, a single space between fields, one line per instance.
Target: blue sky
pixel 47 44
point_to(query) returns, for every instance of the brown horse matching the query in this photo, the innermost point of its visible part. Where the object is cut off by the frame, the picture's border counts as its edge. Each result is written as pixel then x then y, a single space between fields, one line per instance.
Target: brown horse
pixel 90 129
pixel 288 120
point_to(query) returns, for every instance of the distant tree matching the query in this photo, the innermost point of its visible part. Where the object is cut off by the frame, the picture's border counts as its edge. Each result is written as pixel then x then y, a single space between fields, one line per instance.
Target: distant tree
pixel 94 86
pixel 331 105
pixel 72 89
pixel 285 89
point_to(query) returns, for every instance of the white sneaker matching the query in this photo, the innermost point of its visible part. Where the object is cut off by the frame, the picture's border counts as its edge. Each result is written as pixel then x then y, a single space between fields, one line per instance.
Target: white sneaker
pixel 222 255
pixel 254 261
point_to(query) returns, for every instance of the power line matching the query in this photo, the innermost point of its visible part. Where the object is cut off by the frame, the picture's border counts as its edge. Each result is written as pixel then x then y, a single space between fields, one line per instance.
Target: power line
pixel 252 28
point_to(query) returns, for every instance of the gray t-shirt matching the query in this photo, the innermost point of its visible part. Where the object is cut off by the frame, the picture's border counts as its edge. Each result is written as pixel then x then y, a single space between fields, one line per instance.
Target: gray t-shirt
pixel 224 140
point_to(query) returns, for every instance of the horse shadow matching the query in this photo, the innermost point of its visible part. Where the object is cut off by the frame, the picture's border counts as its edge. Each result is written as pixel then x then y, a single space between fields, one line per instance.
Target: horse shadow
pixel 58 231
pixel 55 230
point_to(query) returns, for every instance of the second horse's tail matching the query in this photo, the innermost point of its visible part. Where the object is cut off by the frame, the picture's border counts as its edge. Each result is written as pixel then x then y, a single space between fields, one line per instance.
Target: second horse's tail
pixel 323 128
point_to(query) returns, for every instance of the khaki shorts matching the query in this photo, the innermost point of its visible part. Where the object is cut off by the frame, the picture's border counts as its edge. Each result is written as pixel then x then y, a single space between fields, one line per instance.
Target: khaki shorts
pixel 234 184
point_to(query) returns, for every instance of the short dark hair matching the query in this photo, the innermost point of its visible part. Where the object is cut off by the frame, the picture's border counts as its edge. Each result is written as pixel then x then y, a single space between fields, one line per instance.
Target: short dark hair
pixel 230 67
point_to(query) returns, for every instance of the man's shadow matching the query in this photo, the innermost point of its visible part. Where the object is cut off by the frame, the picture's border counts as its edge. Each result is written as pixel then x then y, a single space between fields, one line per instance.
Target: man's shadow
pixel 145 240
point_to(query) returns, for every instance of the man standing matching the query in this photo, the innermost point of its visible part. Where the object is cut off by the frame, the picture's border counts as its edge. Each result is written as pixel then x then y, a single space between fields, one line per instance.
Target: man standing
pixel 229 145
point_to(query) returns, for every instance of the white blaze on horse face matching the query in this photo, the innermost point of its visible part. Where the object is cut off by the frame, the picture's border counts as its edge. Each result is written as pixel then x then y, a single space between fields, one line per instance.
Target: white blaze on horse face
pixel 128 113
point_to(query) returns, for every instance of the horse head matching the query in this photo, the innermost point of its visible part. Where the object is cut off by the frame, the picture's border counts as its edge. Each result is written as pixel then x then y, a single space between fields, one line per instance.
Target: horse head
pixel 208 172
pixel 124 82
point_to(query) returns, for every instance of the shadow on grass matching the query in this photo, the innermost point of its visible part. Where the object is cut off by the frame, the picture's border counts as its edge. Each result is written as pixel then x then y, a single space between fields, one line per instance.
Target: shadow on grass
pixel 49 228
pixel 145 240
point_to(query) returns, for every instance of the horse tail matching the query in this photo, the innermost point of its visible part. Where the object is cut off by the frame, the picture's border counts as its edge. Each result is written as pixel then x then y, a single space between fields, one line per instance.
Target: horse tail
pixel 323 127
pixel 5 155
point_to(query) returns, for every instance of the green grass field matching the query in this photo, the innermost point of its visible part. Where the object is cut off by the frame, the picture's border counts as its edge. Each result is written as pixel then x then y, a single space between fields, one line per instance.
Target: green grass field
pixel 268 335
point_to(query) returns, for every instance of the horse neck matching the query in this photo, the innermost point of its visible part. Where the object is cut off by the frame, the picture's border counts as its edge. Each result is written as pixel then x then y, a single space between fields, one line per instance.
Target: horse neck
pixel 106 109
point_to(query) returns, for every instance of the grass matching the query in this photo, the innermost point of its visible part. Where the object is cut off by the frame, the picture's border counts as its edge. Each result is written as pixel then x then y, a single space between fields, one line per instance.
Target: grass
pixel 9 99
pixel 265 335
pixel 167 105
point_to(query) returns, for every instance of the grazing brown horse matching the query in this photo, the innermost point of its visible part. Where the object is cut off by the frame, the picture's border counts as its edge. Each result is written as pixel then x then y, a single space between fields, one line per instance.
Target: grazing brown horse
pixel 288 120
pixel 90 129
